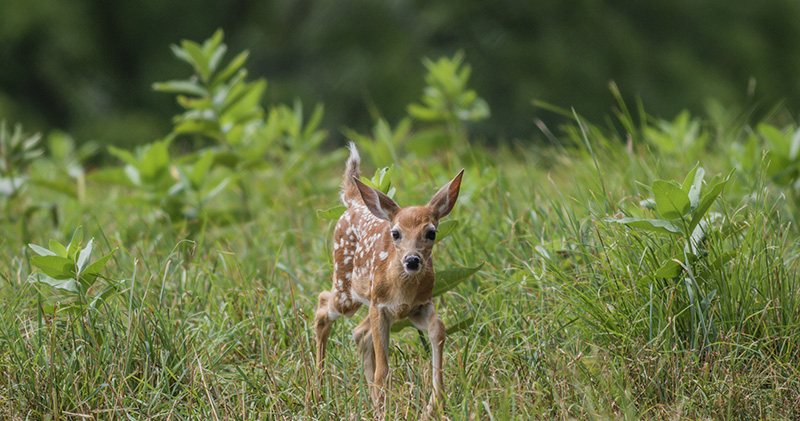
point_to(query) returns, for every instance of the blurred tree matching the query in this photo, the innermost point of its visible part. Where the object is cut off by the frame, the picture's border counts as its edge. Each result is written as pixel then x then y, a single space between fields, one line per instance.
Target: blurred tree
pixel 87 67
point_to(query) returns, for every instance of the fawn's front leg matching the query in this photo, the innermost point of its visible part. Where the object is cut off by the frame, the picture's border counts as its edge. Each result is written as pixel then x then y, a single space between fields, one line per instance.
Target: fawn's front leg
pixel 380 341
pixel 427 320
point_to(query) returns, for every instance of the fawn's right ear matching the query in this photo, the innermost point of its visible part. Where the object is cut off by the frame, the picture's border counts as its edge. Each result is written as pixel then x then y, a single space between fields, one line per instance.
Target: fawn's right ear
pixel 443 201
pixel 379 204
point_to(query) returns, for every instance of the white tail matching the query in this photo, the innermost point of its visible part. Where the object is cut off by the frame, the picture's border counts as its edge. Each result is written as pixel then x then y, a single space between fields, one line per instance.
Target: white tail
pixel 382 258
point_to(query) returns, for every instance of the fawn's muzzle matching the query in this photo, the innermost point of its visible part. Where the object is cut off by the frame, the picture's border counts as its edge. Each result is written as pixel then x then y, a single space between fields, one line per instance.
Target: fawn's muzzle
pixel 412 263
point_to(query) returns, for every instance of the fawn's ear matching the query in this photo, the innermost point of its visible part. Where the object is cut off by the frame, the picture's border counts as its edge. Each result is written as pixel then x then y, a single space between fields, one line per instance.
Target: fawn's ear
pixel 379 204
pixel 445 199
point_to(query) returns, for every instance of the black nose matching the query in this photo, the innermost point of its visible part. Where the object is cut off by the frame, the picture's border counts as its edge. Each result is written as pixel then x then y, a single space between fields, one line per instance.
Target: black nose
pixel 412 262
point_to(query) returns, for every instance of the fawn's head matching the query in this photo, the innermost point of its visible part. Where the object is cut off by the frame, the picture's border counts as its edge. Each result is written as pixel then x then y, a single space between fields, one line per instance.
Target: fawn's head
pixel 413 228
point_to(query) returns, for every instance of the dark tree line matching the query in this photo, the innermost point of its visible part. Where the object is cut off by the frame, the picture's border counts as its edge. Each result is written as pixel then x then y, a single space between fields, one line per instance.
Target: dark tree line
pixel 87 66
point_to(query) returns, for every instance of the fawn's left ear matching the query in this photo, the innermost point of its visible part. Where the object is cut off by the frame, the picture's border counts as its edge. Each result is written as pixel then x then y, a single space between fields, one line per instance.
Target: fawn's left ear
pixel 379 204
pixel 445 199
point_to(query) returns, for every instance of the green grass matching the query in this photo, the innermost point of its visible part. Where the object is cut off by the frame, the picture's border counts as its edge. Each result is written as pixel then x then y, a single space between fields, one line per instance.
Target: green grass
pixel 214 322
pixel 220 258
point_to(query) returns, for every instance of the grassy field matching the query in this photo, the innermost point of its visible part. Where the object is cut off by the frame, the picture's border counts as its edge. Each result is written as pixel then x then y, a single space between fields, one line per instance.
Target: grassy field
pixel 205 308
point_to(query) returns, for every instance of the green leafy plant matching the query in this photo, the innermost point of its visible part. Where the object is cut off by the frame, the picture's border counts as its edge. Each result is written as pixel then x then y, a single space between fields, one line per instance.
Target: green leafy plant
pixel 219 102
pixel 382 180
pixel 384 143
pixel 683 135
pixel 680 205
pixel 63 169
pixel 446 97
pixel 684 213
pixel 447 104
pixel 148 169
pixel 17 151
pixel 69 269
pixel 180 189
pixel 781 154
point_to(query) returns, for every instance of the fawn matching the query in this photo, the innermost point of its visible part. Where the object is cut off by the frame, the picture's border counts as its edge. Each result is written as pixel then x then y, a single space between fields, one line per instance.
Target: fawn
pixel 382 258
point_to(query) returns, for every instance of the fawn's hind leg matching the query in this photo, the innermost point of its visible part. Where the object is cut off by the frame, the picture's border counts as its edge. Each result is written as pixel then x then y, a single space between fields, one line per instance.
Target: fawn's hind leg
pixel 362 334
pixel 322 325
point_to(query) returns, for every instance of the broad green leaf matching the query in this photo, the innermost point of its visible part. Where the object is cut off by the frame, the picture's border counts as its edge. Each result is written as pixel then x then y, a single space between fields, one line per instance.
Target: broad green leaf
pixel 469 321
pixel 227 159
pixel 219 188
pixel 423 113
pixel 383 179
pixel 66 284
pixel 332 213
pixel 155 159
pixel 231 68
pixel 114 175
pixel 90 273
pixel 448 279
pixel 445 228
pixel 212 44
pixel 671 201
pixel 75 243
pixel 427 141
pixel 215 57
pixel 198 59
pixel 58 248
pixel 123 155
pixel 368 182
pixel 41 251
pixel 195 105
pixel 723 259
pixel 655 225
pixel 243 106
pixel 670 269
pixel 180 87
pixel 61 185
pixel 314 121
pixel 692 185
pixel 706 202
pixel 54 266
pixel 83 256
pixel 200 170
pixel 133 175
pixel 794 148
pixel 402 324
pixel 181 54
pixel 689 180
pixel 205 127
pixel 775 138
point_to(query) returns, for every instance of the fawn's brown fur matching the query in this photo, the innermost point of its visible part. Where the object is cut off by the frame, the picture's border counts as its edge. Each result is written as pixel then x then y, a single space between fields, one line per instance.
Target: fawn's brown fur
pixel 382 258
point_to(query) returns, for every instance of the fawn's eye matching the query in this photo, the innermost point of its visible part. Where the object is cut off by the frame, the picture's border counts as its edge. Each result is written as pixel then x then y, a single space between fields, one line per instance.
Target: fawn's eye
pixel 431 235
pixel 395 235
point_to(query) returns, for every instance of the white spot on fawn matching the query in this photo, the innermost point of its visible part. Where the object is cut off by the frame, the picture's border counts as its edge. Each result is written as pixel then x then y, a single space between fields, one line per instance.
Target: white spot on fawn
pixel 383 255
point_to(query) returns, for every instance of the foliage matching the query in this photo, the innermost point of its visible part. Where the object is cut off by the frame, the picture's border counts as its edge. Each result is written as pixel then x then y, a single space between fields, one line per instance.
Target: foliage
pixel 447 104
pixel 308 51
pixel 447 98
pixel 219 102
pixel 683 304
pixel 17 151
pixel 66 159
pixel 69 269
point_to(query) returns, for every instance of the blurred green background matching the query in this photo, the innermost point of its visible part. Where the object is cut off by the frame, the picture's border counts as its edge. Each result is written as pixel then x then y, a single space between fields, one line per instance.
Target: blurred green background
pixel 87 66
